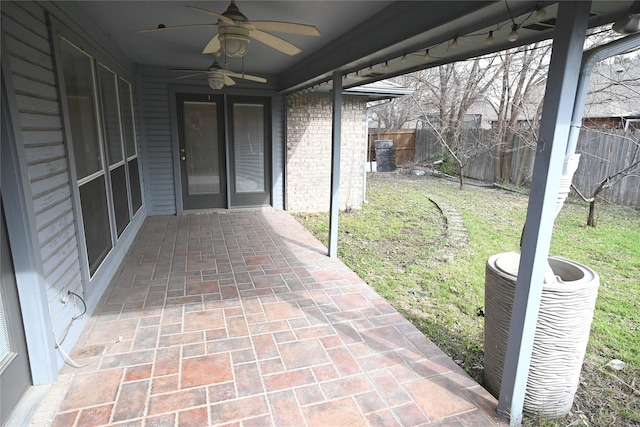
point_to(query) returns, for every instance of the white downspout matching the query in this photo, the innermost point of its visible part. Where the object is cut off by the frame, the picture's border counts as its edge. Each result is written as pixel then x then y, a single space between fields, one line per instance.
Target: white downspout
pixel 589 59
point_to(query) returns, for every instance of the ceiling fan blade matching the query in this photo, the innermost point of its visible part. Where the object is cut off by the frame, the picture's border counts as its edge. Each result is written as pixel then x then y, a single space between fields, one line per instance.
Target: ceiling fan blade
pixel 212 13
pixel 228 81
pixel 213 46
pixel 286 27
pixel 173 27
pixel 275 42
pixel 246 77
pixel 201 73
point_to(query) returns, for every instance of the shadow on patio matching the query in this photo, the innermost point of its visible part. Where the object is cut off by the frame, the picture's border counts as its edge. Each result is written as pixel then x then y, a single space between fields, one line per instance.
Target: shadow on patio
pixel 238 318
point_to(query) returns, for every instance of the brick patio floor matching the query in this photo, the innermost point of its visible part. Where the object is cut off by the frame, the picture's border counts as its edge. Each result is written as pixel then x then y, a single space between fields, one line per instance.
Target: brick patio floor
pixel 240 319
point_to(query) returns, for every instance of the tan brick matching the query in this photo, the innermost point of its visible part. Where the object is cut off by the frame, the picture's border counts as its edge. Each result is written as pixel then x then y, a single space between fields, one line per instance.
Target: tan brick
pixel 309 153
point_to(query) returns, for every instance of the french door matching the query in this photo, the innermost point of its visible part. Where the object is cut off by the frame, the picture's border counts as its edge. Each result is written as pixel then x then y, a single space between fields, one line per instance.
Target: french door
pixel 202 151
pixel 224 151
pixel 15 374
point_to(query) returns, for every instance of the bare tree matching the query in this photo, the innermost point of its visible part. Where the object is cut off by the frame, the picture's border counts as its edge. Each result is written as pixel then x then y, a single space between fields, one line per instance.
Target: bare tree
pixel 512 84
pixel 519 106
pixel 401 111
pixel 609 172
pixel 632 170
pixel 446 96
pixel 613 106
pixel 442 99
pixel 460 86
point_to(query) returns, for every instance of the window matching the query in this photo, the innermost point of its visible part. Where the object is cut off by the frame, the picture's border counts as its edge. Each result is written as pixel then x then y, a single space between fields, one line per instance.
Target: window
pixel 113 141
pixel 79 82
pixel 129 132
pixel 99 105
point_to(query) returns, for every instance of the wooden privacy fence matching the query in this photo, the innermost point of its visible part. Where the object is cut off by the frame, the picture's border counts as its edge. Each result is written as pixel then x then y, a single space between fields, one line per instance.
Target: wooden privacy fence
pixel 404 142
pixel 603 153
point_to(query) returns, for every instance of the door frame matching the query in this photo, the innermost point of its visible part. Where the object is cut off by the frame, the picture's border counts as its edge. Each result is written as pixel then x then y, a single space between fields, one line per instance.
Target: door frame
pixel 176 91
pixel 16 368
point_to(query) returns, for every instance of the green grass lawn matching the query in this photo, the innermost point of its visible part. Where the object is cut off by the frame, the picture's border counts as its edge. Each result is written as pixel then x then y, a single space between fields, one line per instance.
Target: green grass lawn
pixel 397 243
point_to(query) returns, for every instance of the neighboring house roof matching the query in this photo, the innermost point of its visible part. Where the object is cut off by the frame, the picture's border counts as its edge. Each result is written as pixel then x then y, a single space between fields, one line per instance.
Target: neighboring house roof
pixel 382 89
pixel 614 91
pixel 375 91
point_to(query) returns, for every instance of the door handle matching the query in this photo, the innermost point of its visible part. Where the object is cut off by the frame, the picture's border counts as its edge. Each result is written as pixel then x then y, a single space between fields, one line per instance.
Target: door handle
pixel 183 158
pixel 182 150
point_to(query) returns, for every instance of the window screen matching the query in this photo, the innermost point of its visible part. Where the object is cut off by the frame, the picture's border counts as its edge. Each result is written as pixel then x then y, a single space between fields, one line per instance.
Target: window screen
pixel 95 214
pixel 110 114
pixel 78 79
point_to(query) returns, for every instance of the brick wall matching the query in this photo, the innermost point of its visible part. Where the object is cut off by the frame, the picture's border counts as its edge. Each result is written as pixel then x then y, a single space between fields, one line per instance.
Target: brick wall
pixel 308 180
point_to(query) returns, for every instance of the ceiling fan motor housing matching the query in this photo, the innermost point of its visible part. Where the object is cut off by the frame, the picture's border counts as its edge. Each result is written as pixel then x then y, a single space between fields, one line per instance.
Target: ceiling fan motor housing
pixel 234 13
pixel 234 38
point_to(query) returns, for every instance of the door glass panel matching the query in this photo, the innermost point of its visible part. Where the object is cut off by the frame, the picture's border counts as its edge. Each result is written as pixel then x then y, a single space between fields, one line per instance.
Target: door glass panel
pixel 248 147
pixel 201 147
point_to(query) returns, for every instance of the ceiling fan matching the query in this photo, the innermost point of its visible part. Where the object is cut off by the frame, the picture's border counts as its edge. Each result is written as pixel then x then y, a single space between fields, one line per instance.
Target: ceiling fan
pixel 235 30
pixel 218 76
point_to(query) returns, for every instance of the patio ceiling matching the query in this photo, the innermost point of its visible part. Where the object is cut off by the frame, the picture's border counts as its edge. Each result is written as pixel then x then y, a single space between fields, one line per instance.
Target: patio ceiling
pixel 377 39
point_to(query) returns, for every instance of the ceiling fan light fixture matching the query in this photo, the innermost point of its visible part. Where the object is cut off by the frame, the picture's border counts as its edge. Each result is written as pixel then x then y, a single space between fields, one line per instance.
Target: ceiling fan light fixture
pixel 234 40
pixel 216 82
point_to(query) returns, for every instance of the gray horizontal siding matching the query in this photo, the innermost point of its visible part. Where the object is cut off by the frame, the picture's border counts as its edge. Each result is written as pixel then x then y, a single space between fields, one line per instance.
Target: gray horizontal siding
pixel 26 39
pixel 155 116
pixel 154 111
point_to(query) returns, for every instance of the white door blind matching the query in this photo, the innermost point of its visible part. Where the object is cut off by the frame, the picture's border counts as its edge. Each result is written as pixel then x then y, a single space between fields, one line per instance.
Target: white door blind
pixel 4 333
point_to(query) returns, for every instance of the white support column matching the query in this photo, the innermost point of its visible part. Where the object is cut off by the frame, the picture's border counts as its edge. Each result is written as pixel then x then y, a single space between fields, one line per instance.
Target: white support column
pixel 336 135
pixel 554 130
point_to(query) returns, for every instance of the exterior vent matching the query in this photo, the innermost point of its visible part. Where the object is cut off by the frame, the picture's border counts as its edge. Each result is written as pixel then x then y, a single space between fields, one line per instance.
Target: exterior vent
pixel 547 24
pixel 537 27
pixel 372 74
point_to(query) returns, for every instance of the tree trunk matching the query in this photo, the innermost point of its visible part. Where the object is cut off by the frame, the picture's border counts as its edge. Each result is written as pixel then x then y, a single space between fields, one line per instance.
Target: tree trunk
pixel 522 165
pixel 592 221
pixel 507 156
